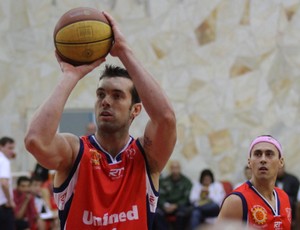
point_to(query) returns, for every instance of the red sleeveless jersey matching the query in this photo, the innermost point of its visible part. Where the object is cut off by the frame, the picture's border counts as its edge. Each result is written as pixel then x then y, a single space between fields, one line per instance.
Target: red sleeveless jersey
pixel 257 211
pixel 107 193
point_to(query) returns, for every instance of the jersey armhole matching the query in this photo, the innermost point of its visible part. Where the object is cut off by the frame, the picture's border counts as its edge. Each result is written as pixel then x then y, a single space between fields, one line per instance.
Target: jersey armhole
pixel 244 203
pixel 139 145
pixel 65 184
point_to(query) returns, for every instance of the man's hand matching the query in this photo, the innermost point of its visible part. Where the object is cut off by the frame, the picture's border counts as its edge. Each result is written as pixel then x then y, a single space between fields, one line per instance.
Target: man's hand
pixel 170 208
pixel 79 71
pixel 10 204
pixel 120 43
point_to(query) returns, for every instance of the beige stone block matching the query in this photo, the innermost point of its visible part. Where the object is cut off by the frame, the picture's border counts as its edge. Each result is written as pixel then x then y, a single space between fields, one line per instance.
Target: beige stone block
pixel 226 164
pixel 291 10
pixel 206 32
pixel 189 150
pixel 220 141
pixel 245 20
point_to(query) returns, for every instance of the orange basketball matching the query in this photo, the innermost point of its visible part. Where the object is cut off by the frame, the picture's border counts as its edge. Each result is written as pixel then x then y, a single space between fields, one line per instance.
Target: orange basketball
pixel 82 35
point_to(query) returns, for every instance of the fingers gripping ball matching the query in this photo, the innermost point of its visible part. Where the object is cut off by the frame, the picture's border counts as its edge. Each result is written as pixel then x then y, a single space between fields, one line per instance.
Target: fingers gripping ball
pixel 82 35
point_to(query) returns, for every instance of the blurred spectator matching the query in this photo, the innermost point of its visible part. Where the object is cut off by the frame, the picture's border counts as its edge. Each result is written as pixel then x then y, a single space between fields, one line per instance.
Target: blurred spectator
pixel 247 174
pixel 297 226
pixel 290 184
pixel 47 186
pixel 41 172
pixel 25 211
pixel 49 217
pixel 173 201
pixel 7 204
pixel 90 128
pixel 206 196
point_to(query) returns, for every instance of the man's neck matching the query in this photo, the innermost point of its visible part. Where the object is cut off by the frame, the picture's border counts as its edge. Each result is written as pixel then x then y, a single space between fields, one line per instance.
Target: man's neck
pixel 265 188
pixel 112 144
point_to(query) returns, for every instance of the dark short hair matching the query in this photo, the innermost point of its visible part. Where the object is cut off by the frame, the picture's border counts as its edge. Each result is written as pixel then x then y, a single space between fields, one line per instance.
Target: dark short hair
pixel 35 177
pixel 206 172
pixel 111 71
pixel 6 140
pixel 21 179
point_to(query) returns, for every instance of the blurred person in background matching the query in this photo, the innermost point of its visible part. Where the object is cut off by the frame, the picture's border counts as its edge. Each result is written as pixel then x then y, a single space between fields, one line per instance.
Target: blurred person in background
pixel 206 196
pixel 25 212
pixel 290 184
pixel 247 175
pixel 49 217
pixel 90 128
pixel 173 202
pixel 7 204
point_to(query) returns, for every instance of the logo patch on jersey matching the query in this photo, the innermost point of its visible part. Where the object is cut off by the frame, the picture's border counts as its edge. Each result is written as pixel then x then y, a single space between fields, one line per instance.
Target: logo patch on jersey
pixel 152 200
pixel 278 225
pixel 95 158
pixel 259 214
pixel 289 214
pixel 130 153
pixel 116 173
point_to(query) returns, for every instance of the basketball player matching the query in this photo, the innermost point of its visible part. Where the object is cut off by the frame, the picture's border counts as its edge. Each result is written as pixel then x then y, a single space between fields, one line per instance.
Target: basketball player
pixel 108 180
pixel 258 202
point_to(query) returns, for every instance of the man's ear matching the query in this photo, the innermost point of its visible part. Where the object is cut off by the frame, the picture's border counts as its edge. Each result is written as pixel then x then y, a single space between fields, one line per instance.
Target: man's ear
pixel 249 165
pixel 281 162
pixel 136 110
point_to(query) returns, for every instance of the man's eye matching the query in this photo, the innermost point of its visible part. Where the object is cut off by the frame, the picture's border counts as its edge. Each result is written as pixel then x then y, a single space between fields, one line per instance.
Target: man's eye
pixel 117 96
pixel 257 154
pixel 101 95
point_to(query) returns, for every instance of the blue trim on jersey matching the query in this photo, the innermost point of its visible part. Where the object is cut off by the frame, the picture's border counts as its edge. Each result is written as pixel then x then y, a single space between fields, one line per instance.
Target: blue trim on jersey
pixel 278 202
pixel 139 145
pixel 264 200
pixel 95 145
pixel 73 170
pixel 63 214
pixel 108 157
pixel 150 215
pixel 245 205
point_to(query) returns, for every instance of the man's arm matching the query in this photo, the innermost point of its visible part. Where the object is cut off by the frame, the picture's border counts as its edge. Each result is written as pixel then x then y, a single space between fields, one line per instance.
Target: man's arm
pixel 160 132
pixel 51 149
pixel 232 208
pixel 5 187
pixel 22 206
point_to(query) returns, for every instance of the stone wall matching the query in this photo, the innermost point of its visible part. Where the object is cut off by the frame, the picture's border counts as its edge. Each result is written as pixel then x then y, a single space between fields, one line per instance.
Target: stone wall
pixel 231 69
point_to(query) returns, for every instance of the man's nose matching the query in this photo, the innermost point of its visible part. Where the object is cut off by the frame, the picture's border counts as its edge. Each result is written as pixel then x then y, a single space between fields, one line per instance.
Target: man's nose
pixel 106 101
pixel 263 158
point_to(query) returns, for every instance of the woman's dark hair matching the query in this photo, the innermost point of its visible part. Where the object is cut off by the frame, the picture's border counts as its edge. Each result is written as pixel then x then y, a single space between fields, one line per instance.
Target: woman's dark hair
pixel 111 71
pixel 206 172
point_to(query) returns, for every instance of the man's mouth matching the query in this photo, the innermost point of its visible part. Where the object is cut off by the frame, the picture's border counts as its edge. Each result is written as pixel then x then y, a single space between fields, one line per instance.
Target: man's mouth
pixel 105 114
pixel 263 169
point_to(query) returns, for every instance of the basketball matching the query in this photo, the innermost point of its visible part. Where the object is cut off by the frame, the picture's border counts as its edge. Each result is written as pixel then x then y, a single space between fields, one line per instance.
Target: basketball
pixel 82 35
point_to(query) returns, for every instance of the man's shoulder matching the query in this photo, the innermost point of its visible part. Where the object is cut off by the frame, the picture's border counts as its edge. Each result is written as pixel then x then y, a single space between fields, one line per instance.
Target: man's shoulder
pixel 186 179
pixel 291 177
pixel 280 191
pixel 3 159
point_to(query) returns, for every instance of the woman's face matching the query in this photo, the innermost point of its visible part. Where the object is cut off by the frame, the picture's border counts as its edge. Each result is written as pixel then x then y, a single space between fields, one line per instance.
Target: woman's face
pixel 206 180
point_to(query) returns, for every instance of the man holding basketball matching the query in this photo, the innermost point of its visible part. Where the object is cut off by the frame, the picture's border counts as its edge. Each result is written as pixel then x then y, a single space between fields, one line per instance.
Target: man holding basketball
pixel 108 180
pixel 258 202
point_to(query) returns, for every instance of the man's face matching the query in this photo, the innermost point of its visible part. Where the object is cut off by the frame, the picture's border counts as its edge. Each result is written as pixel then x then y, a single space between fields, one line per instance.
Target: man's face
pixel 36 187
pixel 24 186
pixel 8 150
pixel 175 169
pixel 113 108
pixel 264 161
